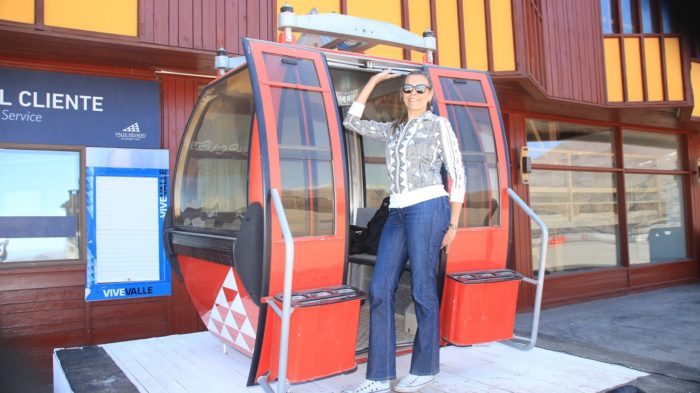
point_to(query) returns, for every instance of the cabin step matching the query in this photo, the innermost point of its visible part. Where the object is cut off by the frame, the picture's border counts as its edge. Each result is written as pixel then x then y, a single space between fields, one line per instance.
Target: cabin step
pixel 479 306
pixel 322 332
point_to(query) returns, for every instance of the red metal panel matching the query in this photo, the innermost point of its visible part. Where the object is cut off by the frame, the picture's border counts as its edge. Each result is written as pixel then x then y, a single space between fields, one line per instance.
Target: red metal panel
pixel 327 270
pixel 318 261
pixel 480 247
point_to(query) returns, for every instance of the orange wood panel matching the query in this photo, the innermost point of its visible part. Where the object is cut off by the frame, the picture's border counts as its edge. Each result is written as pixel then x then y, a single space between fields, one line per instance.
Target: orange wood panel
pixel 652 66
pixel 448 41
pixel 613 69
pixel 419 22
pixel 475 35
pixel 633 70
pixel 502 35
pixel 695 81
pixel 110 16
pixel 17 11
pixel 674 69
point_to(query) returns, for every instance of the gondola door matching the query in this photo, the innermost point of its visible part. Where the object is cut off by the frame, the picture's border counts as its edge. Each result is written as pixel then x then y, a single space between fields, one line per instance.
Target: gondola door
pixel 468 100
pixel 301 150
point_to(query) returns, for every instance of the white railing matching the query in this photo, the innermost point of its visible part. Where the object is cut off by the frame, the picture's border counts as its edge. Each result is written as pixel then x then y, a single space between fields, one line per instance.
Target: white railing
pixel 286 312
pixel 520 342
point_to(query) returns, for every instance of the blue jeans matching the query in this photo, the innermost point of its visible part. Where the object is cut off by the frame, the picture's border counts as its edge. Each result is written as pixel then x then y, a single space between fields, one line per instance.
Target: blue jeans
pixel 413 233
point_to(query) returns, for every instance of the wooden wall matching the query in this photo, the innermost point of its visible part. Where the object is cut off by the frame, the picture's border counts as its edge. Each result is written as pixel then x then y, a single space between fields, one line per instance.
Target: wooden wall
pixel 205 24
pixel 573 50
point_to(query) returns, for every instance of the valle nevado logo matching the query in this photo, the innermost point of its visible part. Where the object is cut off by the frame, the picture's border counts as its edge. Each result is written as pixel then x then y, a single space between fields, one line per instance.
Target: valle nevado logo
pixel 131 133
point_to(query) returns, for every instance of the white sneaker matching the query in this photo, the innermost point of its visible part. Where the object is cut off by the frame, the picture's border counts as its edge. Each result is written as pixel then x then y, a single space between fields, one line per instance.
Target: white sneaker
pixel 413 383
pixel 369 386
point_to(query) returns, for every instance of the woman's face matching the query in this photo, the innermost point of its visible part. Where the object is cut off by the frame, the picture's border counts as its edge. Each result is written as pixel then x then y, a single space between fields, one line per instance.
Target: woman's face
pixel 414 101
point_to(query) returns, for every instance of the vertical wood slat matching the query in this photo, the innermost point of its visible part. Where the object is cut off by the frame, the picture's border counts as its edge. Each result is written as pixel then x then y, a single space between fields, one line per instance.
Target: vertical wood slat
pixel 571 12
pixel 173 20
pixel 253 14
pixel 209 25
pixel 489 36
pixel 587 52
pixel 161 27
pixel 406 24
pixel 146 21
pixel 185 24
pixel 197 18
pixel 220 24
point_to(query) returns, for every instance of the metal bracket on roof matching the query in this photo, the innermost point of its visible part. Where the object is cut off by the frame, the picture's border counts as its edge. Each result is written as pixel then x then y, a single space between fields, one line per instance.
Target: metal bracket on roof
pixel 223 62
pixel 353 34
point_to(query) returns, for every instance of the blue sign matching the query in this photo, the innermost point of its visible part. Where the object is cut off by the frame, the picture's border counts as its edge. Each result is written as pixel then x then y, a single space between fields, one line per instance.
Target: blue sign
pixel 126 202
pixel 40 107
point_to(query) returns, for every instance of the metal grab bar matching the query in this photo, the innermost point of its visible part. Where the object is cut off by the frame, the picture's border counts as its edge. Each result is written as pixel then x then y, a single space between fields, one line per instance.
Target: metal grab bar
pixel 286 312
pixel 530 342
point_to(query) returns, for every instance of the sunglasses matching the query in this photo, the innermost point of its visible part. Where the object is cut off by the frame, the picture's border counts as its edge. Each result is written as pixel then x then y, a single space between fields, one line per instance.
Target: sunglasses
pixel 420 89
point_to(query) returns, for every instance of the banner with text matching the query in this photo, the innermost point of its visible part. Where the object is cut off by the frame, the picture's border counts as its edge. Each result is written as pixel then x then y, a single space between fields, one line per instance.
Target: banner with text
pixel 40 107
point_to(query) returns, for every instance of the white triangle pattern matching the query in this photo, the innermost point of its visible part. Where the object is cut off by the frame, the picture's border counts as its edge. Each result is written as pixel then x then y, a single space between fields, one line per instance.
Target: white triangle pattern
pixel 230 281
pixel 241 341
pixel 221 298
pixel 228 319
pixel 237 305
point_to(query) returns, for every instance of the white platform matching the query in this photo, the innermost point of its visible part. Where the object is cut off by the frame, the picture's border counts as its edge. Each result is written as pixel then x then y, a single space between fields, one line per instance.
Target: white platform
pixel 196 363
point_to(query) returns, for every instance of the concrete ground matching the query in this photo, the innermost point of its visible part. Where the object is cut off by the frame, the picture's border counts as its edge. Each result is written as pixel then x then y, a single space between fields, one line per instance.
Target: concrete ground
pixel 657 332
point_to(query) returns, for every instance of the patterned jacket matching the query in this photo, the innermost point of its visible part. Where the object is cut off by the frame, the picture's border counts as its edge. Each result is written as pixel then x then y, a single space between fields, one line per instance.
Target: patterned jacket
pixel 415 152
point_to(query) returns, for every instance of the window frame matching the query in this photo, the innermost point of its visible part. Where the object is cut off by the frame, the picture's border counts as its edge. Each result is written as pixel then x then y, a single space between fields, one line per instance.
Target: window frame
pixel 620 35
pixel 81 260
pixel 618 168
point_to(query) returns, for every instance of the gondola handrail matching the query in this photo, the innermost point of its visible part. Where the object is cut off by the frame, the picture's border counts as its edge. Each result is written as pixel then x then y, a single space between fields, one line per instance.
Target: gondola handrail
pixel 540 274
pixel 286 312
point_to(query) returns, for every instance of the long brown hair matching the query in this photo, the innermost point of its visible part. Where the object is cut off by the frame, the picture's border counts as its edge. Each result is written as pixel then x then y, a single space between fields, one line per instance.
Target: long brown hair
pixel 403 117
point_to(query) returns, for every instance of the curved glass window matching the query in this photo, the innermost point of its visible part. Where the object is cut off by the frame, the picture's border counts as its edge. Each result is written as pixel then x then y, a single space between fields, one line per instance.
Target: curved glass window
pixel 211 189
pixel 474 130
pixel 305 161
pixel 457 89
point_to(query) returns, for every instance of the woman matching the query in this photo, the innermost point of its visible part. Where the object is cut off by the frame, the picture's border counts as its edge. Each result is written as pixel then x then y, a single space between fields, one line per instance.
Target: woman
pixel 421 221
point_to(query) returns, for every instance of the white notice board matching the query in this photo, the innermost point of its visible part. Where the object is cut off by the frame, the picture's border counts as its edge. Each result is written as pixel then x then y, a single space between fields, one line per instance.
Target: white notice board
pixel 126 229
pixel 126 203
